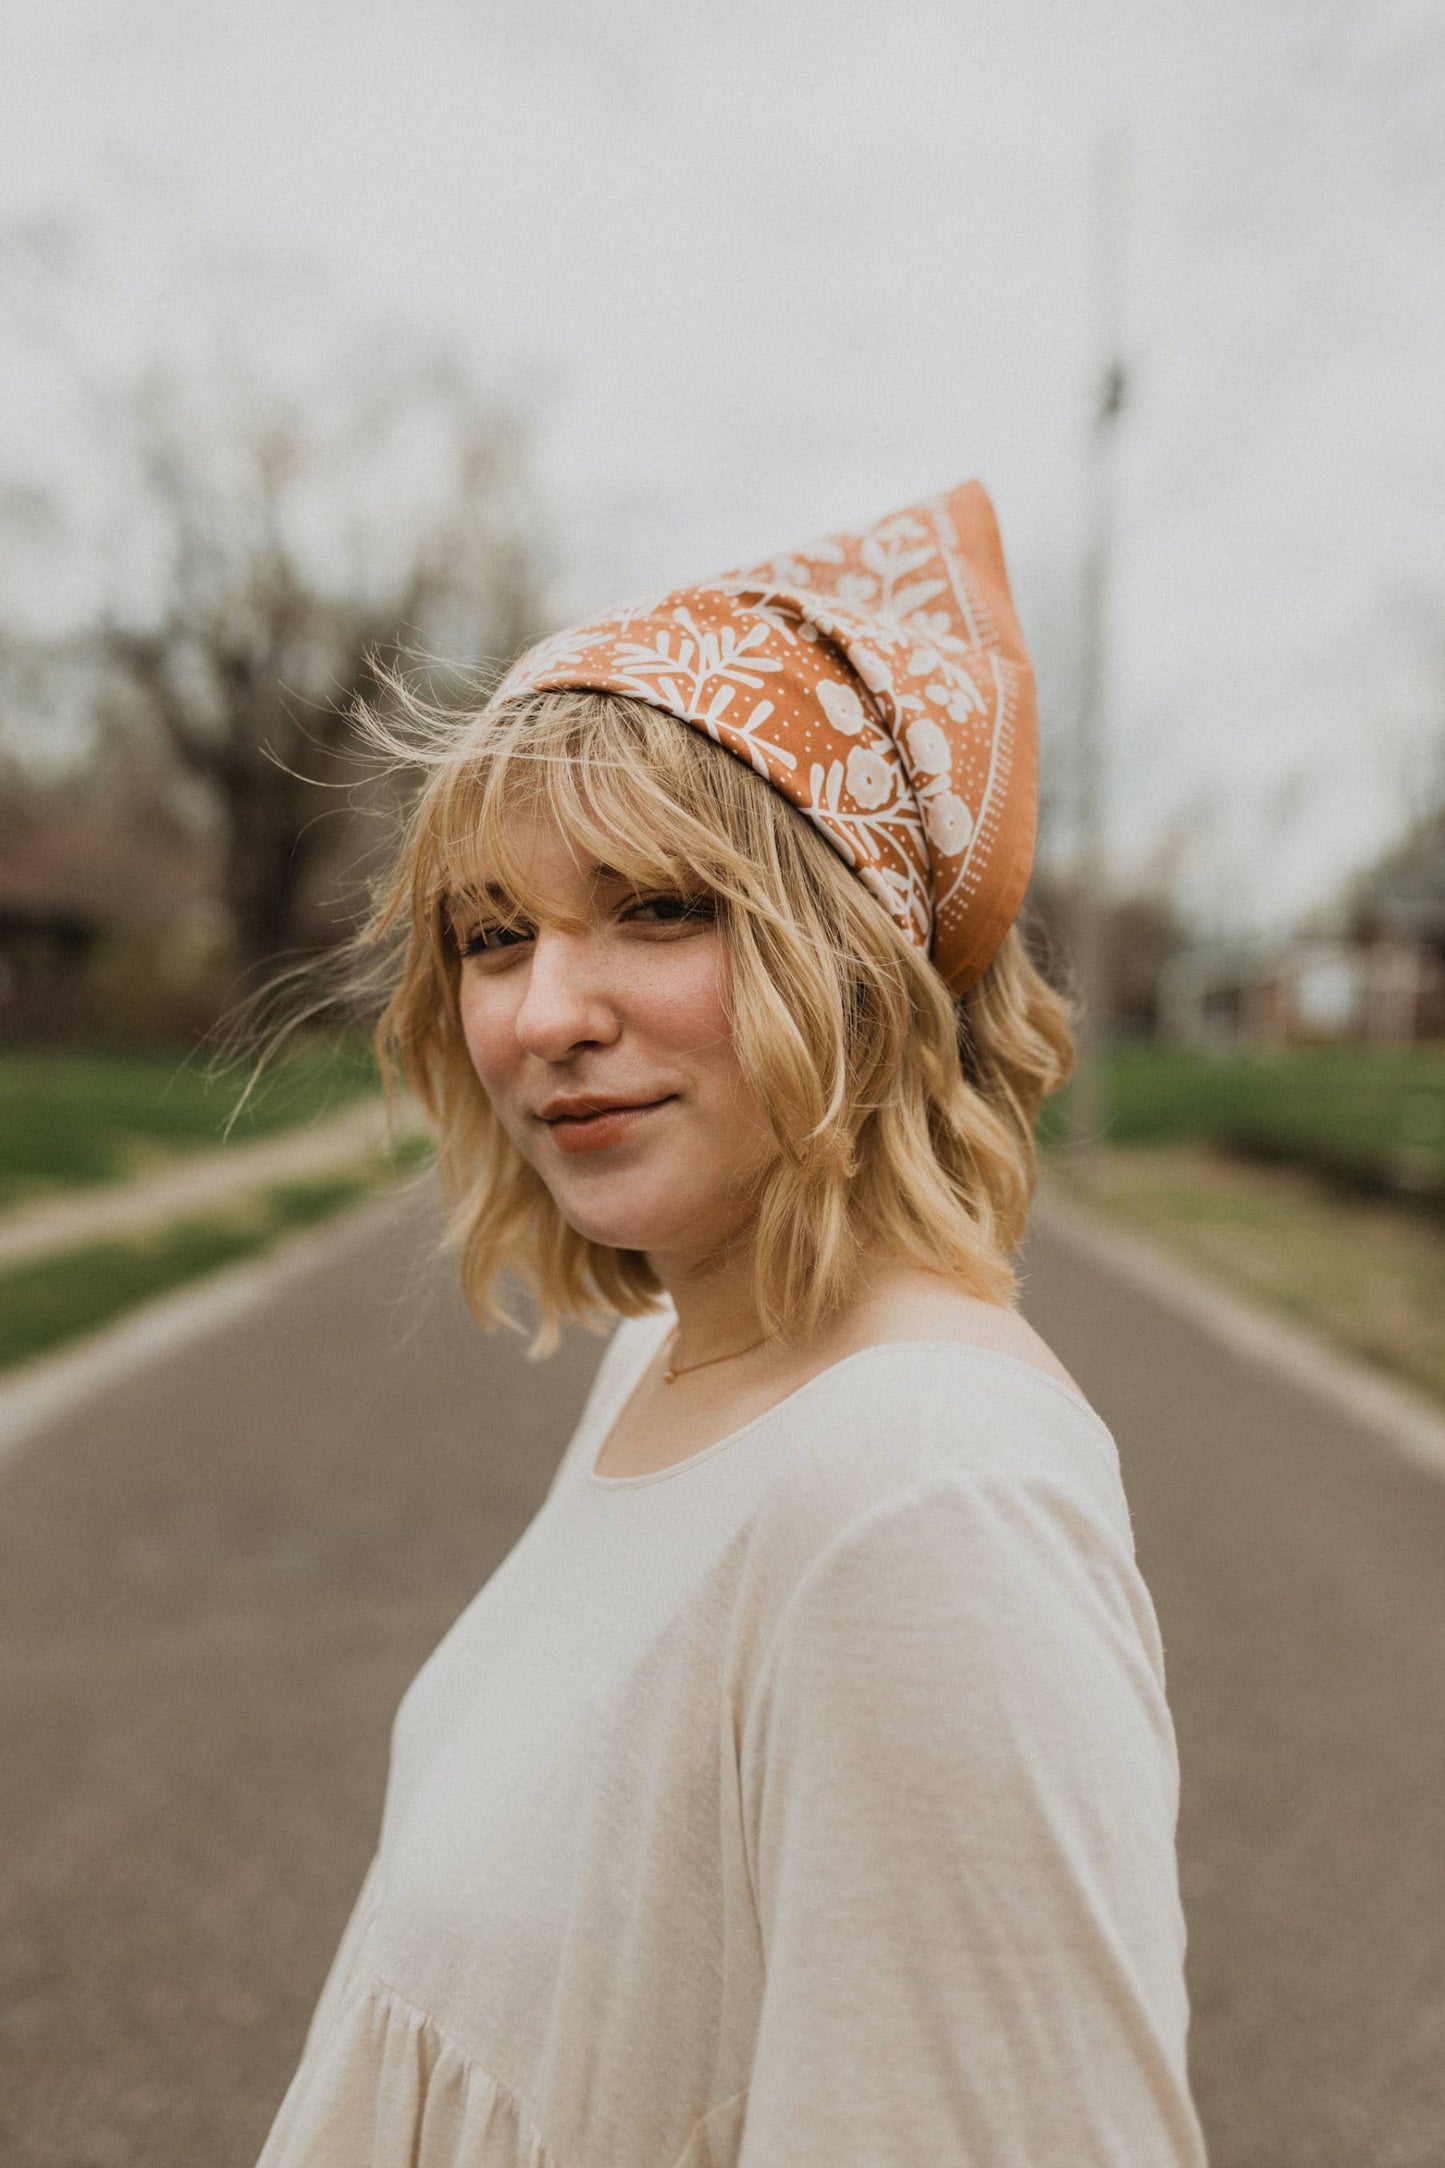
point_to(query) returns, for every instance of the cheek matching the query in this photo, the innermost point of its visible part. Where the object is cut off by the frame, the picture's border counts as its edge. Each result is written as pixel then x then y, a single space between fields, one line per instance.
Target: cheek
pixel 688 1017
pixel 685 1002
pixel 676 1004
pixel 489 1029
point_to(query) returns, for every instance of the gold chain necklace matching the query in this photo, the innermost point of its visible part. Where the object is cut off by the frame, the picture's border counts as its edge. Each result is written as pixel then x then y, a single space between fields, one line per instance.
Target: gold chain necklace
pixel 671 1374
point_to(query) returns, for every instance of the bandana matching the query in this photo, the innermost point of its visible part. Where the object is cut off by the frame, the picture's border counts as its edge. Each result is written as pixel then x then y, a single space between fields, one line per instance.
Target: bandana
pixel 880 682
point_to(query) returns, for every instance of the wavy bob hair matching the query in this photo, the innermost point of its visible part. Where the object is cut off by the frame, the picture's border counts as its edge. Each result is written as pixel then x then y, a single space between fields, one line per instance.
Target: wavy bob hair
pixel 903 1120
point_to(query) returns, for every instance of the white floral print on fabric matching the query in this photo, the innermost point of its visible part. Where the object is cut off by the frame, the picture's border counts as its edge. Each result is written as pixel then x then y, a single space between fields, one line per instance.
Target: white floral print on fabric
pixel 880 682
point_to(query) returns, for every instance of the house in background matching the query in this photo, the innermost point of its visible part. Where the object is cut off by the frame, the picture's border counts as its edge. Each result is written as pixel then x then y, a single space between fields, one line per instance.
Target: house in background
pixel 1371 967
pixel 1312 987
pixel 96 917
pixel 113 921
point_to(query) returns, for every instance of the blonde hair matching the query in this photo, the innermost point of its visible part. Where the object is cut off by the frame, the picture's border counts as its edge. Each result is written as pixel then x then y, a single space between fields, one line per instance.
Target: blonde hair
pixel 903 1120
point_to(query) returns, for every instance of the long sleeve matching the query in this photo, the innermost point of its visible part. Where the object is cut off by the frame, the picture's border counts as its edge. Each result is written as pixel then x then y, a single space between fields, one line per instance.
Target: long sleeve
pixel 960 1792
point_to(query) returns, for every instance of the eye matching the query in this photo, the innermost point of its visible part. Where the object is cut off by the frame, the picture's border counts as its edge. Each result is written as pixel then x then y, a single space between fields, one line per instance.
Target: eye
pixel 487 940
pixel 672 910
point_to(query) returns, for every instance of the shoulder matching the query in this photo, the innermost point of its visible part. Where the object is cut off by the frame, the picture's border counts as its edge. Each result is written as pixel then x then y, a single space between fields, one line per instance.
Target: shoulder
pixel 939 1481
pixel 907 1304
pixel 891 1423
pixel 971 1612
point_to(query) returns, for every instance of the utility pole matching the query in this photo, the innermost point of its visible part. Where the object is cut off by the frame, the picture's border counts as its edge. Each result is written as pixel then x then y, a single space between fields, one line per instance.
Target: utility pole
pixel 1088 1095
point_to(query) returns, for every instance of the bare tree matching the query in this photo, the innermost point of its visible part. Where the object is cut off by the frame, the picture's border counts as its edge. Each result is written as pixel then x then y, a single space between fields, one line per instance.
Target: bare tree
pixel 291 550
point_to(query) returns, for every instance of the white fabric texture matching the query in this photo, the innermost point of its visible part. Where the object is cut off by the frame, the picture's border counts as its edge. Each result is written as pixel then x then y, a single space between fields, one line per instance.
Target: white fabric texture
pixel 809 1804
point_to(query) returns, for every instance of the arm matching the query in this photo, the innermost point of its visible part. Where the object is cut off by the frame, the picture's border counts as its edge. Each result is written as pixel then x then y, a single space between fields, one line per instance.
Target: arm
pixel 960 1791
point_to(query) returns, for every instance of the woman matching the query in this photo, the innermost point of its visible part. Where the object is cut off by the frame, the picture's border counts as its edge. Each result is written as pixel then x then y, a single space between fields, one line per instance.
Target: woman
pixel 801 1789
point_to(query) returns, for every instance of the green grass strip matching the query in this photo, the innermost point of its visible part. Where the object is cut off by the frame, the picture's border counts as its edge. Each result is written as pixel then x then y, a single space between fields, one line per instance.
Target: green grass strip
pixel 54 1299
pixel 1377 1112
pixel 71 1119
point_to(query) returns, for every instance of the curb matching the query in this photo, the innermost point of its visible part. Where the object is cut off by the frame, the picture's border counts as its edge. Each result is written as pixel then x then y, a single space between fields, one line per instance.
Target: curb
pixel 1405 1419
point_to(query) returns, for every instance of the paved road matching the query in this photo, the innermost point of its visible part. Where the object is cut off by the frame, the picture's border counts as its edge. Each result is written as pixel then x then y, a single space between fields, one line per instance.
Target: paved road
pixel 215 1583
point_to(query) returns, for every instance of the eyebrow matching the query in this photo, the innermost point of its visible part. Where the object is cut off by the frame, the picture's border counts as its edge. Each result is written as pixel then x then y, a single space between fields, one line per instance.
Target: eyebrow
pixel 495 892
pixel 466 899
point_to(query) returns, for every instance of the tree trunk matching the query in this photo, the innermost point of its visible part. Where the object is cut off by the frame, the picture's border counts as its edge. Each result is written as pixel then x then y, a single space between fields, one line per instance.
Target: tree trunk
pixel 269 844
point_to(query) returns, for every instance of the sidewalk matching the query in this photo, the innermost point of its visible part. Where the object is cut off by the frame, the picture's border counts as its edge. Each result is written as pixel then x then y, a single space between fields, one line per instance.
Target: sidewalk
pixel 207 1179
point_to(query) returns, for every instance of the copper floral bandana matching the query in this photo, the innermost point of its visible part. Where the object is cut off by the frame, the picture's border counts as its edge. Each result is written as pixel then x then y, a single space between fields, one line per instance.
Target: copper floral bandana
pixel 880 682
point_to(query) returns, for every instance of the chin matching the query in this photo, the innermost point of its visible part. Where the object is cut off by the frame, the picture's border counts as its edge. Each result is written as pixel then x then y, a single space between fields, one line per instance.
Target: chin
pixel 631 1221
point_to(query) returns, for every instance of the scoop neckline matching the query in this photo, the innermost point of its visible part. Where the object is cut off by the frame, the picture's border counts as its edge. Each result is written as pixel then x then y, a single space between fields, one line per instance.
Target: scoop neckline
pixel 858 1354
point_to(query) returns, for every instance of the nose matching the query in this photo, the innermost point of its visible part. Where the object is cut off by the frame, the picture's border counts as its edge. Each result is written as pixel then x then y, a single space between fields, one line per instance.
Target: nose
pixel 565 1005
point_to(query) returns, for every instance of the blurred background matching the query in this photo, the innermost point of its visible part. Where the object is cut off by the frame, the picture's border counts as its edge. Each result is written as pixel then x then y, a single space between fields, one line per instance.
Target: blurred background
pixel 341 339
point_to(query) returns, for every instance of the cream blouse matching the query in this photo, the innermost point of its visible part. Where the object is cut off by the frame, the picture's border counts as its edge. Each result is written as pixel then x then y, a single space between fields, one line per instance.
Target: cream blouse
pixel 807 1804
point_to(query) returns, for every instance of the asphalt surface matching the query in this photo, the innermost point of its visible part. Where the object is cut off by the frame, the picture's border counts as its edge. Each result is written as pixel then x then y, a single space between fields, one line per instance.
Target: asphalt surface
pixel 216 1580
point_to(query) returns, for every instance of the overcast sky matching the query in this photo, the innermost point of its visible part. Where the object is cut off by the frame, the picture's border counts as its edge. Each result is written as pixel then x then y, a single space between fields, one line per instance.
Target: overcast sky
pixel 766 269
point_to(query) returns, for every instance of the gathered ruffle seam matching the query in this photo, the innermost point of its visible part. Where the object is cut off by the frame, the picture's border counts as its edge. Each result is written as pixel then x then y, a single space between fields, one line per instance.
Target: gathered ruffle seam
pixel 363 1987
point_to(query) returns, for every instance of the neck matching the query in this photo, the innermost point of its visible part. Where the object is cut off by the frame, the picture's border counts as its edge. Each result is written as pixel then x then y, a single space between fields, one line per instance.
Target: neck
pixel 713 1297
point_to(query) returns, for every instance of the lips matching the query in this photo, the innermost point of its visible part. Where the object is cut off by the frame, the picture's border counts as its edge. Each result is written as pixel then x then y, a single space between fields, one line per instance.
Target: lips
pixel 591 1124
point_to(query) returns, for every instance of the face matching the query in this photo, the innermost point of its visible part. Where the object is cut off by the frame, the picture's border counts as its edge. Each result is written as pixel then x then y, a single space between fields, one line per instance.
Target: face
pixel 599 1030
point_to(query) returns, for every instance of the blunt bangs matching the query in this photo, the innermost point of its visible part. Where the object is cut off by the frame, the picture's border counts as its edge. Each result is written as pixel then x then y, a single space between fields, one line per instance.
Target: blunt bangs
pixel 598 779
